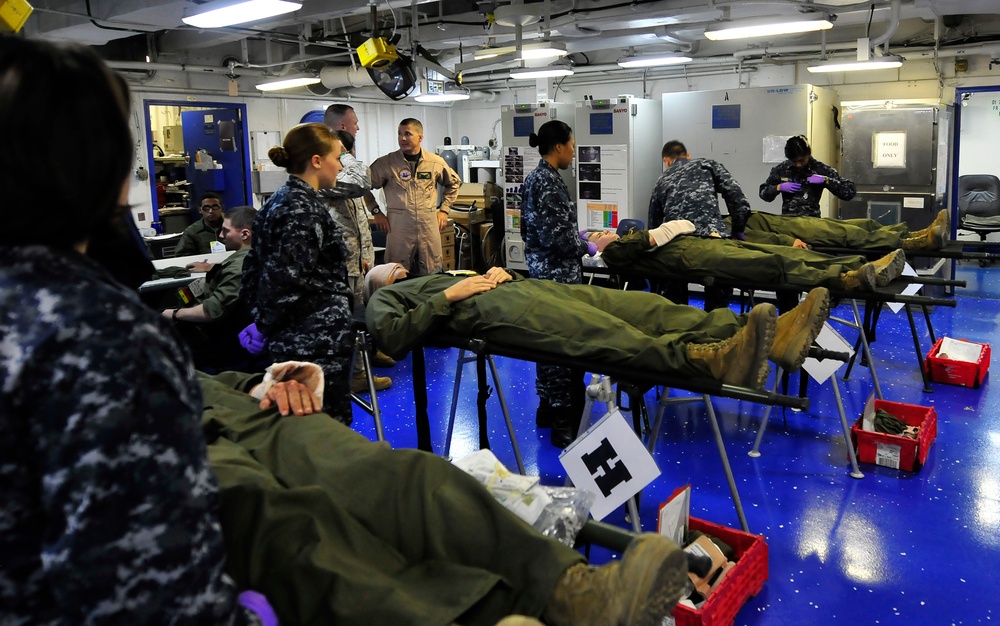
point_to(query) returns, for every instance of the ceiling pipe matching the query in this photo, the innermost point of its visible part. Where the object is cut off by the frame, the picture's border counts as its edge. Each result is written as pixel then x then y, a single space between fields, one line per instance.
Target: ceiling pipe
pixel 337 77
pixel 891 28
pixel 772 50
pixel 140 66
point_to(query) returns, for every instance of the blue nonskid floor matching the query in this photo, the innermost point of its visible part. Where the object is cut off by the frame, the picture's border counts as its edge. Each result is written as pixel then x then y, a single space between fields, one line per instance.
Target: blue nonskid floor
pixel 891 548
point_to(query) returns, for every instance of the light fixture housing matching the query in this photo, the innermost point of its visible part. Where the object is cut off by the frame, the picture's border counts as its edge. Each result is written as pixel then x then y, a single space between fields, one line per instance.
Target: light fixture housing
pixel 879 63
pixel 766 27
pixel 653 61
pixel 448 96
pixel 543 72
pixel 228 12
pixel 289 82
pixel 495 51
pixel 542 50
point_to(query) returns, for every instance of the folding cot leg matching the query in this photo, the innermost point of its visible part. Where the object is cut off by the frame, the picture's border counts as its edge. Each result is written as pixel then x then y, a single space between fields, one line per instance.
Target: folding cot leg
pixel 506 414
pixel 360 345
pixel 454 401
pixel 755 452
pixel 867 349
pixel 855 470
pixel 916 350
pixel 927 320
pixel 462 360
pixel 725 463
pixel 420 400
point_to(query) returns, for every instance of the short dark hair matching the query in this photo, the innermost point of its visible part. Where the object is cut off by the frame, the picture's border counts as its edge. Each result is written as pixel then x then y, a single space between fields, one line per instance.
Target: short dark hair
pixel 550 135
pixel 673 149
pixel 412 121
pixel 35 78
pixel 346 138
pixel 211 195
pixel 797 147
pixel 241 216
pixel 335 113
pixel 300 144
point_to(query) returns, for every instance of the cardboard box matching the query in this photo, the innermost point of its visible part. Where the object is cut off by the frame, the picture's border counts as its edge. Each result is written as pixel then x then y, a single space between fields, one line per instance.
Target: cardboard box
pixel 896 451
pixel 962 373
pixel 745 579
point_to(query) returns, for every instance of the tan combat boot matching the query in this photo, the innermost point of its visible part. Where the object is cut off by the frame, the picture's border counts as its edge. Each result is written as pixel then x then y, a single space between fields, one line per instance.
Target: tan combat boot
pixel 861 279
pixel 931 238
pixel 359 383
pixel 798 328
pixel 889 268
pixel 742 359
pixel 519 620
pixel 639 590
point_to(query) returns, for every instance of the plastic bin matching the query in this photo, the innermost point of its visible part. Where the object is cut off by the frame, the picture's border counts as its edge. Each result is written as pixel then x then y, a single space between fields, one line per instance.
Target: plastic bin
pixel 896 451
pixel 746 579
pixel 957 372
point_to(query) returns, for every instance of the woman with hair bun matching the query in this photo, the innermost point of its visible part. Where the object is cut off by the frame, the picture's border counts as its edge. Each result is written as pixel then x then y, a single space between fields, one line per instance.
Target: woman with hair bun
pixel 553 249
pixel 295 275
pixel 801 180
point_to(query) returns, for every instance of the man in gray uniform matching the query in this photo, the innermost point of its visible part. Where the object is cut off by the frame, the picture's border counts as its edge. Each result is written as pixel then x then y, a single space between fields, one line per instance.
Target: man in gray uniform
pixel 410 178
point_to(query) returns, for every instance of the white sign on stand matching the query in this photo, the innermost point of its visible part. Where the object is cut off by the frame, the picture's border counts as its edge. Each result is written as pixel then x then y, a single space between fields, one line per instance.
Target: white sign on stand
pixel 910 290
pixel 609 461
pixel 828 339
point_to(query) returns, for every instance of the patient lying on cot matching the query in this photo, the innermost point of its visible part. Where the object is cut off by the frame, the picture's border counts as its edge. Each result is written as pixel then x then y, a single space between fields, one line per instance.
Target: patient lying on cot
pixel 596 325
pixel 334 529
pixel 858 234
pixel 671 251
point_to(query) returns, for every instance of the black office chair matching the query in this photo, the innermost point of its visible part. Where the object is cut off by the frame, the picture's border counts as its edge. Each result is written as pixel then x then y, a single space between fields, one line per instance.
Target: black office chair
pixel 979 204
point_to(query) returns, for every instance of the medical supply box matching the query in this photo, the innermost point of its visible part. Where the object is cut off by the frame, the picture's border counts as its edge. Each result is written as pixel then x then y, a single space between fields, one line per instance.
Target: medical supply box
pixel 896 451
pixel 964 373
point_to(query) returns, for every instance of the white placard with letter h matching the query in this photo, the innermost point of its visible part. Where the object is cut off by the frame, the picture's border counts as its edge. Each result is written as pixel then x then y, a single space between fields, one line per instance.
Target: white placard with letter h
pixel 609 461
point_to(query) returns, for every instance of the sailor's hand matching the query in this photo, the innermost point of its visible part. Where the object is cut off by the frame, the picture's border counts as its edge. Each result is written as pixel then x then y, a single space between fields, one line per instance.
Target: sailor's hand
pixel 800 244
pixel 291 396
pixel 498 275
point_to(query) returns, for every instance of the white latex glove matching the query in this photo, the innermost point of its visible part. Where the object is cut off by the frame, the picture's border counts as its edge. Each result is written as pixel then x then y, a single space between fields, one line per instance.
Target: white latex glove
pixel 309 374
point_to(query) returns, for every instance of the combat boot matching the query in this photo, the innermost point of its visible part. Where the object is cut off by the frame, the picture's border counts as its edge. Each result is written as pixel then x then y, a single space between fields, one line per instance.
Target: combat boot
pixel 861 279
pixel 889 268
pixel 519 620
pixel 359 383
pixel 381 359
pixel 639 590
pixel 931 238
pixel 742 359
pixel 565 421
pixel 798 328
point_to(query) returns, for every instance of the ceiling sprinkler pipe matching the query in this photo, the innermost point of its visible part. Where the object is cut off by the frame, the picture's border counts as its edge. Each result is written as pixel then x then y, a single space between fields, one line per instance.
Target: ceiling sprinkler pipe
pixel 336 76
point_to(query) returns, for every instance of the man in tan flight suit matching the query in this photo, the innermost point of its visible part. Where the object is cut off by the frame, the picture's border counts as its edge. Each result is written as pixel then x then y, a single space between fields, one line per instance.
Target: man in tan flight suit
pixel 410 178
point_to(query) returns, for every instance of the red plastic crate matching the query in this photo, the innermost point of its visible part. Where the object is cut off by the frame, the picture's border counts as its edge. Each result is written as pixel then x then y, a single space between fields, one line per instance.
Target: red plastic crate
pixel 912 452
pixel 957 372
pixel 744 580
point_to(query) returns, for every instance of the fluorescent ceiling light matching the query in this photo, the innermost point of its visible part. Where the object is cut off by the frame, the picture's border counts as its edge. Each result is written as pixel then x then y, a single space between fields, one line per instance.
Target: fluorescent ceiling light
pixel 441 97
pixel 228 12
pixel 551 72
pixel 289 82
pixel 653 61
pixel 742 29
pixel 880 63
pixel 543 50
pixel 489 53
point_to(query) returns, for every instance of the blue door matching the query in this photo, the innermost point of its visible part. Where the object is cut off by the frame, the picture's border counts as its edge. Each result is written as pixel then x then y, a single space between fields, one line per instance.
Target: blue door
pixel 217 134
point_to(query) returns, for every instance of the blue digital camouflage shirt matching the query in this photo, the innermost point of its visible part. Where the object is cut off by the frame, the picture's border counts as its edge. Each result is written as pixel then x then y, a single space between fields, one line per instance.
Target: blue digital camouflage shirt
pixel 295 275
pixel 806 200
pixel 109 507
pixel 687 191
pixel 553 248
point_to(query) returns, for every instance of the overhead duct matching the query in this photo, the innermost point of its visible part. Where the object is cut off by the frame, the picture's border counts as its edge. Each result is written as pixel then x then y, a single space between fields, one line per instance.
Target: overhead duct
pixel 337 76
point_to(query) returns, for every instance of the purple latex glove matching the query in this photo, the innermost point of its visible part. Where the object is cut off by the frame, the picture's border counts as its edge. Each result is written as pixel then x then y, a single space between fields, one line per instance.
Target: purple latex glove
pixel 257 603
pixel 740 236
pixel 790 187
pixel 816 179
pixel 252 340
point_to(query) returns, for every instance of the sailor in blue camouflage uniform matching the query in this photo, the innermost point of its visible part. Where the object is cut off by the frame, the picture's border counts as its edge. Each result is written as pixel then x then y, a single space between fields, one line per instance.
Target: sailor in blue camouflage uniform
pixel 109 508
pixel 687 190
pixel 295 276
pixel 553 250
pixel 801 180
